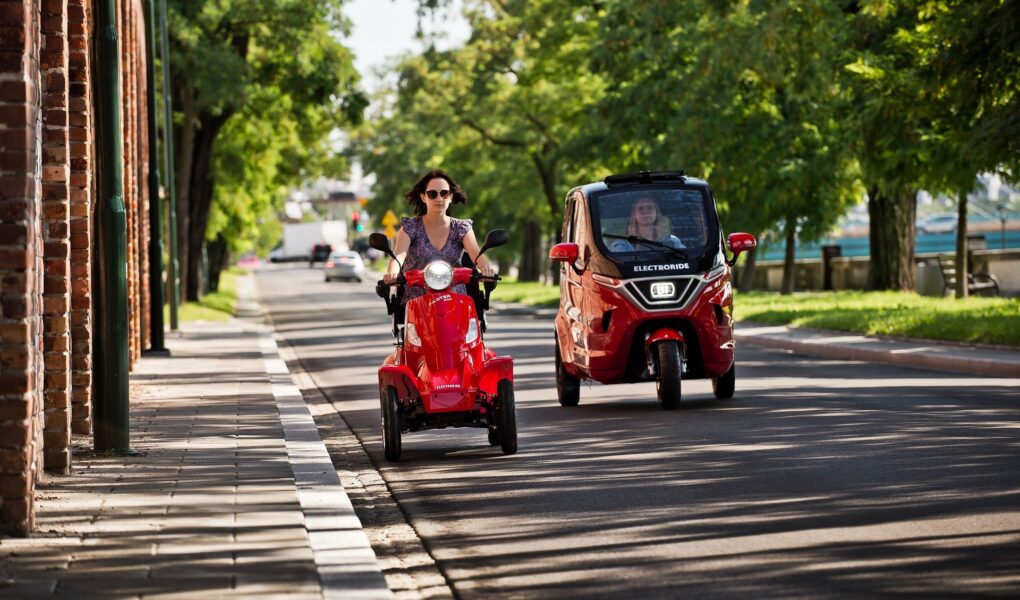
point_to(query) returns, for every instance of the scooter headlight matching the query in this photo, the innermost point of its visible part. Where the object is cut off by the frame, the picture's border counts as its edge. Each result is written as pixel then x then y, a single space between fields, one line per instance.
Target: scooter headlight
pixel 472 332
pixel 438 275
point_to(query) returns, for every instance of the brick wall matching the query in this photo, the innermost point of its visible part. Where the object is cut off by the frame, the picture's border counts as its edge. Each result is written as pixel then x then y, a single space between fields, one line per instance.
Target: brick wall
pixel 80 128
pixel 47 204
pixel 21 265
pixel 56 235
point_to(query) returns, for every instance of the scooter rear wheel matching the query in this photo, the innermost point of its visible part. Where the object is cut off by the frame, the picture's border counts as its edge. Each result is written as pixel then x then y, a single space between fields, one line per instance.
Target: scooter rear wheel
pixel 724 385
pixel 668 383
pixel 507 417
pixel 568 387
pixel 493 436
pixel 391 424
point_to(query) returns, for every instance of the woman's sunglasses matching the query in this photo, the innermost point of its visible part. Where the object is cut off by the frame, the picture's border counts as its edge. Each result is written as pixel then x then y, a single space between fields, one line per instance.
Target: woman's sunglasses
pixel 432 194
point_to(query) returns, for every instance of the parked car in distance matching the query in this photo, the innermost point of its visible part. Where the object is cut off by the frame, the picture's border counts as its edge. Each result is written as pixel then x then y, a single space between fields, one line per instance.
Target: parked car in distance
pixel 319 253
pixel 938 223
pixel 249 261
pixel 345 265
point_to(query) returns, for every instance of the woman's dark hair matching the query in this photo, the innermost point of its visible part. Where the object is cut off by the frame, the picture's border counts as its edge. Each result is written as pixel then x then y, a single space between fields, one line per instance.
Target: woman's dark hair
pixel 413 196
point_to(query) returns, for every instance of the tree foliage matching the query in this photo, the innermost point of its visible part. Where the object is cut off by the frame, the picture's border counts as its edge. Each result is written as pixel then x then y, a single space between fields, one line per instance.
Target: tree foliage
pixel 792 110
pixel 258 88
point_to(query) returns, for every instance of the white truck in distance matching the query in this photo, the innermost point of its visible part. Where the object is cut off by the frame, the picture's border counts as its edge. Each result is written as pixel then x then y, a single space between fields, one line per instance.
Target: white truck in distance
pixel 298 239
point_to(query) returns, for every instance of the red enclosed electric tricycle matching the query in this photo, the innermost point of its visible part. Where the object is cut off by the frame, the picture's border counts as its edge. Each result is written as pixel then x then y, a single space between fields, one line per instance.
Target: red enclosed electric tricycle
pixel 645 286
pixel 441 374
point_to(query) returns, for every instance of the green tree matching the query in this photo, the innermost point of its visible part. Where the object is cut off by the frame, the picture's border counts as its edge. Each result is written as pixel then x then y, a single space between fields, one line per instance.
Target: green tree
pixel 740 93
pixel 280 68
pixel 968 60
pixel 512 95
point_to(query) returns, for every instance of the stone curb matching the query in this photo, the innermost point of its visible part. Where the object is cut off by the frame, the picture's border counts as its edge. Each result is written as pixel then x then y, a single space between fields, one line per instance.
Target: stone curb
pixel 344 559
pixel 922 354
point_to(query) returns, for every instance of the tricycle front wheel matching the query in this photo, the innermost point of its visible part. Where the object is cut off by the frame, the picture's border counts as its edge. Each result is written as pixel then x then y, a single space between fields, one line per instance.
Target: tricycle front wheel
pixel 669 381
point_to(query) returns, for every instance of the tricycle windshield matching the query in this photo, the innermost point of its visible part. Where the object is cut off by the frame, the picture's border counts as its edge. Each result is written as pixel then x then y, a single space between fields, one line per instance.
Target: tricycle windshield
pixel 632 222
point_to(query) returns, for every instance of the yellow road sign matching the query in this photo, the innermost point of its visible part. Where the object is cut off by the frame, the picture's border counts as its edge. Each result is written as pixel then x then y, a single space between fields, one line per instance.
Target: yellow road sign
pixel 362 201
pixel 390 231
pixel 390 219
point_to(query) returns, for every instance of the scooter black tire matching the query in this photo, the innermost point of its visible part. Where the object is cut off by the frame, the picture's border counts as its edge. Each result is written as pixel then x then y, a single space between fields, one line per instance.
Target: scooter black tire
pixel 493 436
pixel 724 385
pixel 507 417
pixel 568 387
pixel 391 424
pixel 668 383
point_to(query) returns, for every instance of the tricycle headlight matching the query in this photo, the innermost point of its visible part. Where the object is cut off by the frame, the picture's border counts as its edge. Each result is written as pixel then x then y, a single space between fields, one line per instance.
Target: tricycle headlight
pixel 438 275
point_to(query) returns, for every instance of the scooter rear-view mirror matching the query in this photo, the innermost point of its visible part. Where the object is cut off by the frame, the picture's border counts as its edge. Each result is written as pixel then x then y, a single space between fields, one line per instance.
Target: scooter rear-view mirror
pixel 381 243
pixel 496 237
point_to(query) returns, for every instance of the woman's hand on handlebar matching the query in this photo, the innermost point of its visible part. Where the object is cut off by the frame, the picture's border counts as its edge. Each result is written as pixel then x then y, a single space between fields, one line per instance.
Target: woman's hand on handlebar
pixel 390 278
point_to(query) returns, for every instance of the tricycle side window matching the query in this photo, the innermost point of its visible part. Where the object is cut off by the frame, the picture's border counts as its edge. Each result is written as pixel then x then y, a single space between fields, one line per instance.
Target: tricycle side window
pixel 674 217
pixel 568 219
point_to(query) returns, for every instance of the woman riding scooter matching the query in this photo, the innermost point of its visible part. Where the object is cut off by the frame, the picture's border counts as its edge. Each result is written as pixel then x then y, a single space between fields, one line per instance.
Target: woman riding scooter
pixel 441 373
pixel 434 234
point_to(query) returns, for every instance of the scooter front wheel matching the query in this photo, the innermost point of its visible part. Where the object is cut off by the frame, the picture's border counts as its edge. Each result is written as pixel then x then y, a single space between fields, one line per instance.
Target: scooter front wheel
pixel 507 417
pixel 391 424
pixel 668 382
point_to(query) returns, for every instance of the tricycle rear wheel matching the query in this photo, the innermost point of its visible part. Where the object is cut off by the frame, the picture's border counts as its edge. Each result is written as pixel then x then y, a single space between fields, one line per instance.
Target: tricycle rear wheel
pixel 391 424
pixel 568 387
pixel 507 417
pixel 724 385
pixel 668 383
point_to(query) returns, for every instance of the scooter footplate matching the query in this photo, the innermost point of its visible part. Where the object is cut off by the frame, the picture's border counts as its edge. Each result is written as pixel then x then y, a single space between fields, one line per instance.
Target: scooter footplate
pixel 447 401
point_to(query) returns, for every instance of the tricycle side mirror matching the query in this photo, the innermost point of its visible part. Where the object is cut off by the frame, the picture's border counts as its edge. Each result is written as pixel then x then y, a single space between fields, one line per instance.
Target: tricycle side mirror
pixel 740 242
pixel 493 239
pixel 566 252
pixel 381 243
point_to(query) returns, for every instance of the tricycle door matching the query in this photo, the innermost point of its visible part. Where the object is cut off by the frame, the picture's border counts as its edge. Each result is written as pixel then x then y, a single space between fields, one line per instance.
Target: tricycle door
pixel 574 277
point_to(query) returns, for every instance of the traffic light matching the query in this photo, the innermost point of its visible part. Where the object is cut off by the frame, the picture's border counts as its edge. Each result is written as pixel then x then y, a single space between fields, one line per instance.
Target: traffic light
pixel 356 221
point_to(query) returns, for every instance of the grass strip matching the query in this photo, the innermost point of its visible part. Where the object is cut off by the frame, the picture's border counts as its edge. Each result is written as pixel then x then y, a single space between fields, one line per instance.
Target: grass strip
pixel 900 314
pixel 215 306
pixel 531 293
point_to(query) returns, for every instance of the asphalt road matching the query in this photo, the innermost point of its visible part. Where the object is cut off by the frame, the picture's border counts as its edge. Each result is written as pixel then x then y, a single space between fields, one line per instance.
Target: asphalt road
pixel 820 478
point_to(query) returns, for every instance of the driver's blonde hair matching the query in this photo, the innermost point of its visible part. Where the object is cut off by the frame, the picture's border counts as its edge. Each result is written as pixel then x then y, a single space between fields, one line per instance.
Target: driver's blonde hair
pixel 661 225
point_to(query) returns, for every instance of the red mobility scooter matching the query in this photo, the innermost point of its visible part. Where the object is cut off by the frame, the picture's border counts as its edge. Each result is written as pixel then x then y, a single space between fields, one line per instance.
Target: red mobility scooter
pixel 441 374
pixel 645 286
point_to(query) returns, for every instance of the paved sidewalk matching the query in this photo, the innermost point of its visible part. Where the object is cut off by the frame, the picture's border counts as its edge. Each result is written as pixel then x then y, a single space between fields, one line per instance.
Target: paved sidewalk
pixel 233 496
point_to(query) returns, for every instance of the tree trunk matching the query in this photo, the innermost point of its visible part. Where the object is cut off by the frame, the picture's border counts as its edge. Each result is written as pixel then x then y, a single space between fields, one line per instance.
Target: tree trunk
pixel 892 239
pixel 962 268
pixel 746 283
pixel 200 193
pixel 531 251
pixel 789 262
pixel 546 164
pixel 184 140
pixel 219 256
